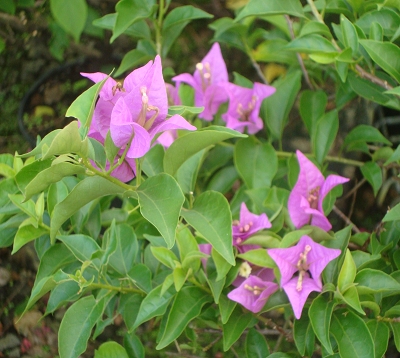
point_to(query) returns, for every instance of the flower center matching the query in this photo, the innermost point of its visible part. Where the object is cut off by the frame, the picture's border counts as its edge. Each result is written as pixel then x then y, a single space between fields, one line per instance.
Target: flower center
pixel 245 269
pixel 146 107
pixel 244 113
pixel 205 74
pixel 255 289
pixel 302 266
pixel 118 87
pixel 313 196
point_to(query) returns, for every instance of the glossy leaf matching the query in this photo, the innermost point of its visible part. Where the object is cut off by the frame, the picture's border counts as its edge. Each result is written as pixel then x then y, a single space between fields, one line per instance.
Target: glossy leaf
pixel 233 329
pixel 256 163
pixel 70 15
pixel 312 44
pixel 261 8
pixel 68 140
pixel 256 345
pixel 211 217
pixel 373 173
pixel 192 143
pixel 126 248
pixel 152 163
pixel 84 192
pixel 286 92
pixel 134 346
pixel 350 38
pixel 161 199
pixel 325 134
pixel 76 326
pixel 304 336
pixel 320 314
pixel 129 12
pixel 347 273
pixel 312 108
pixel 51 175
pixel 187 173
pixel 380 335
pixel 82 108
pixel 385 54
pixel 187 305
pixel 392 214
pixel 110 350
pixel 26 234
pixel 373 281
pixel 153 305
pixel 352 335
pixel 176 21
pixel 131 60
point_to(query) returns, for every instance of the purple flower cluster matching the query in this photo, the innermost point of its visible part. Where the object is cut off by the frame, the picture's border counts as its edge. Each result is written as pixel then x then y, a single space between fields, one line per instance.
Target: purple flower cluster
pixel 212 88
pixel 300 266
pixel 134 113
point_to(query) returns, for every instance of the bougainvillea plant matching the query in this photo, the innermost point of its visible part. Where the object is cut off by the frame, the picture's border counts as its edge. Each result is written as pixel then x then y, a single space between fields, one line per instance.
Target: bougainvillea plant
pixel 184 209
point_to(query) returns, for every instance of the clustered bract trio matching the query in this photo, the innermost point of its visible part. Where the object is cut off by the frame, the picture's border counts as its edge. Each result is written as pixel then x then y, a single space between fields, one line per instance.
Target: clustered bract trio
pixel 135 115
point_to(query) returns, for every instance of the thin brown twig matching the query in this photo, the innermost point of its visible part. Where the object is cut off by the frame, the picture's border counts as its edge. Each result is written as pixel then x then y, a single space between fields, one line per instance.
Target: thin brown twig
pixel 339 213
pixel 373 78
pixel 299 58
pixel 353 190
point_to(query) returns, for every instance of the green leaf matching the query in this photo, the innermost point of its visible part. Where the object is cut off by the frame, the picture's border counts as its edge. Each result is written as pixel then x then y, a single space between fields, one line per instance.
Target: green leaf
pixel 165 256
pixel 380 335
pixel 352 336
pixel 304 336
pixel 320 314
pixel 233 329
pixel 373 281
pixel 82 108
pixel 373 173
pixel 129 12
pixel 111 350
pixel 26 234
pixel 63 293
pixel 255 345
pixel 153 305
pixel 387 18
pixel 176 21
pixel 29 171
pixel 139 29
pixel 211 217
pixel 191 143
pixel 81 246
pixel 325 134
pixel 76 326
pixel 347 273
pixel 226 307
pixel 131 60
pixel 275 116
pixel 123 238
pixel 70 15
pixel 351 298
pixel 256 163
pixel 55 257
pixel 349 32
pixel 258 257
pixel 152 163
pixel 187 305
pixel 312 108
pixel 161 199
pixel 395 326
pixel 84 192
pixel 51 175
pixel 385 54
pixel 315 27
pixel 68 140
pixel 141 277
pixel 188 171
pixel 134 346
pixel 312 44
pixel 262 8
pixel 367 134
pixel 392 214
pixel 371 91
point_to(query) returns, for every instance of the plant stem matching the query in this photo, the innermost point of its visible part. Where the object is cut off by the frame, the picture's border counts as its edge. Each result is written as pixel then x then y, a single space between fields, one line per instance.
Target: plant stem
pixel 161 11
pixel 107 176
pixel 332 159
pixel 94 286
pixel 299 58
